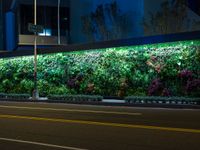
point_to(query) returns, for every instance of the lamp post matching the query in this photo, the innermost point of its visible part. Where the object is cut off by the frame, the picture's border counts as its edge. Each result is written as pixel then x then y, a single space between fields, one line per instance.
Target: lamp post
pixel 59 42
pixel 35 92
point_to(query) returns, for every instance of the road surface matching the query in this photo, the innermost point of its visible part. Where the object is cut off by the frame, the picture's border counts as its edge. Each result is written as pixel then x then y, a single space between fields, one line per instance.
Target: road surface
pixel 42 126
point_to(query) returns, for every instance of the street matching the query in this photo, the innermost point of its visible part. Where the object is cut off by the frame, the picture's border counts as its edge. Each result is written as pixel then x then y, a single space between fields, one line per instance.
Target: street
pixel 43 126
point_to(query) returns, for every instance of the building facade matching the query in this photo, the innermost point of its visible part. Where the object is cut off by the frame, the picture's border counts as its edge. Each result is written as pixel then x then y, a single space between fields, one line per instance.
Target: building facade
pixel 87 21
pixel 1 26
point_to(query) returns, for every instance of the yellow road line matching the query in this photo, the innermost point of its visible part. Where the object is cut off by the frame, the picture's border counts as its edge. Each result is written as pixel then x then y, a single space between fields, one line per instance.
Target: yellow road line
pixel 72 110
pixel 103 124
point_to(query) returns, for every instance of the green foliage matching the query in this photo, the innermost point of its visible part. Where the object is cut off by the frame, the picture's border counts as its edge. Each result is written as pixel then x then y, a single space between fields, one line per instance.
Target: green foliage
pixel 161 100
pixel 15 96
pixel 120 71
pixel 76 98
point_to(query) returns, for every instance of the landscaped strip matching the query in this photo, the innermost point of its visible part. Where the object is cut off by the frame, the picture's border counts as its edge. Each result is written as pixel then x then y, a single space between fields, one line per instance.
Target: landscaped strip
pixel 15 96
pixel 164 69
pixel 76 98
pixel 161 100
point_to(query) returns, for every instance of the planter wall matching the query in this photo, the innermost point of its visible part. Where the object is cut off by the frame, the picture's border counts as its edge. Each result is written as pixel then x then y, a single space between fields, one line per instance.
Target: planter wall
pixel 166 69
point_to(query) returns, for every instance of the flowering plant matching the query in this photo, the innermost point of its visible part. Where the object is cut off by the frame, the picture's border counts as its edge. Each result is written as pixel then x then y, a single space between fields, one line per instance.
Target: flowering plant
pixel 186 74
pixel 155 88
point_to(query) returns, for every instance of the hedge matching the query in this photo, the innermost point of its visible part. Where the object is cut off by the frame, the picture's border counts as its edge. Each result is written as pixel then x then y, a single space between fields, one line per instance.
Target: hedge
pixel 162 69
pixel 76 98
pixel 14 96
pixel 162 100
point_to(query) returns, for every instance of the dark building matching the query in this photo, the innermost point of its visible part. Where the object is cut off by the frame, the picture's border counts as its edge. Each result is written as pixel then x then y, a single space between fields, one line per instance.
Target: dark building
pixel 86 21
pixel 1 26
pixel 17 14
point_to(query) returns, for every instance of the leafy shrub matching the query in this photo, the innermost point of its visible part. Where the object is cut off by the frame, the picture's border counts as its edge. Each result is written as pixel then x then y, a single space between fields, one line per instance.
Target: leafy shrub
pixel 166 92
pixel 193 88
pixel 2 95
pixel 15 96
pixel 166 69
pixel 26 86
pixel 157 99
pixel 76 98
pixel 61 90
pixel 155 87
pixel 186 75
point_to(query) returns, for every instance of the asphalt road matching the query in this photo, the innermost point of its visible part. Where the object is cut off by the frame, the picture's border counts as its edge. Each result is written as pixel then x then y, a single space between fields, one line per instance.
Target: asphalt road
pixel 41 126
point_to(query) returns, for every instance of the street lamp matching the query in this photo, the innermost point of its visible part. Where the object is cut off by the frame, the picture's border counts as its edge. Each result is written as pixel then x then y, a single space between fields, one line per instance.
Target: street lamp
pixel 35 92
pixel 59 42
pixel 36 29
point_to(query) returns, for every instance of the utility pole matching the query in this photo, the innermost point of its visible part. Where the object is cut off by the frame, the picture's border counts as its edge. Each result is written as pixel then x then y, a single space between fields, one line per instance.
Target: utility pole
pixel 35 92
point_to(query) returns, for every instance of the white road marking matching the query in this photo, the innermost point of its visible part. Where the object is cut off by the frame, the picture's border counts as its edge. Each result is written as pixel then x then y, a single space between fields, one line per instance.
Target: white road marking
pixel 41 144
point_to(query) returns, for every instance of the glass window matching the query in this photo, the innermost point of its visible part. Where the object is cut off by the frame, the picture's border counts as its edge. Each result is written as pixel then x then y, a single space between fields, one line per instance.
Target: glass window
pixel 102 20
pixel 47 17
pixel 86 21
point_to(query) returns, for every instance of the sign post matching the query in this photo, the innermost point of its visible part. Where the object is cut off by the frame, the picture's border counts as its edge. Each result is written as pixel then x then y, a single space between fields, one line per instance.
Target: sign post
pixel 35 29
pixel 35 91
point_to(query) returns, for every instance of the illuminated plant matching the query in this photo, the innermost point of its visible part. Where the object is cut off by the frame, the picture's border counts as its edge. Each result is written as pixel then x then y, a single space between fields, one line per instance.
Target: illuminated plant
pixel 165 69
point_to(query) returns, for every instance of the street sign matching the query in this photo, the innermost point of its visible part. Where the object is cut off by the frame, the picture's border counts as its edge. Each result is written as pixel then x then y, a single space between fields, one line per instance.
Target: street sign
pixel 35 28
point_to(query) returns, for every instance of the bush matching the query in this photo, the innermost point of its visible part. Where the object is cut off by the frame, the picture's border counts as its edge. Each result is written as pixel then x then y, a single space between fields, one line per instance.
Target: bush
pixel 76 98
pixel 163 69
pixel 2 95
pixel 162 100
pixel 193 88
pixel 15 96
pixel 155 88
pixel 60 90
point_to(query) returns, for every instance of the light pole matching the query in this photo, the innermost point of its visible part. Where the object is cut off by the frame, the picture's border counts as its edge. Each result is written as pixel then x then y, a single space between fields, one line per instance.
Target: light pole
pixel 59 42
pixel 35 92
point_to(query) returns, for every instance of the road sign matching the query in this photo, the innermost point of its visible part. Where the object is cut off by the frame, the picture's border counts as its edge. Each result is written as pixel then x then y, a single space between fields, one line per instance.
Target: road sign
pixel 35 28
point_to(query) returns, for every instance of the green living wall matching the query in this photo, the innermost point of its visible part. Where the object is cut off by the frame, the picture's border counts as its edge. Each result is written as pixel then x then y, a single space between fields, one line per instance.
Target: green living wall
pixel 166 69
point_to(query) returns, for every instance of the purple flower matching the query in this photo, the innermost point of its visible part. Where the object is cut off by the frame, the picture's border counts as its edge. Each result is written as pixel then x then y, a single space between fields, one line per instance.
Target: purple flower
pixel 166 92
pixel 72 83
pixel 186 75
pixel 155 87
pixel 193 85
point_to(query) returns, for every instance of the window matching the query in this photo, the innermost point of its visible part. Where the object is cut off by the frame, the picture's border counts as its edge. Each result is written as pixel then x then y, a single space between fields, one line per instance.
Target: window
pixel 47 17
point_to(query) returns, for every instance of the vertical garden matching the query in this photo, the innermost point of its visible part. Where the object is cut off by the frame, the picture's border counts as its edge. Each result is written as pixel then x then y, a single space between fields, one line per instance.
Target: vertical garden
pixel 165 69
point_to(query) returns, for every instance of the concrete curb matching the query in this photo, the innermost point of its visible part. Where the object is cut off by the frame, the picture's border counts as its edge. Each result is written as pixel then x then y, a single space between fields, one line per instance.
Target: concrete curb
pixel 110 103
